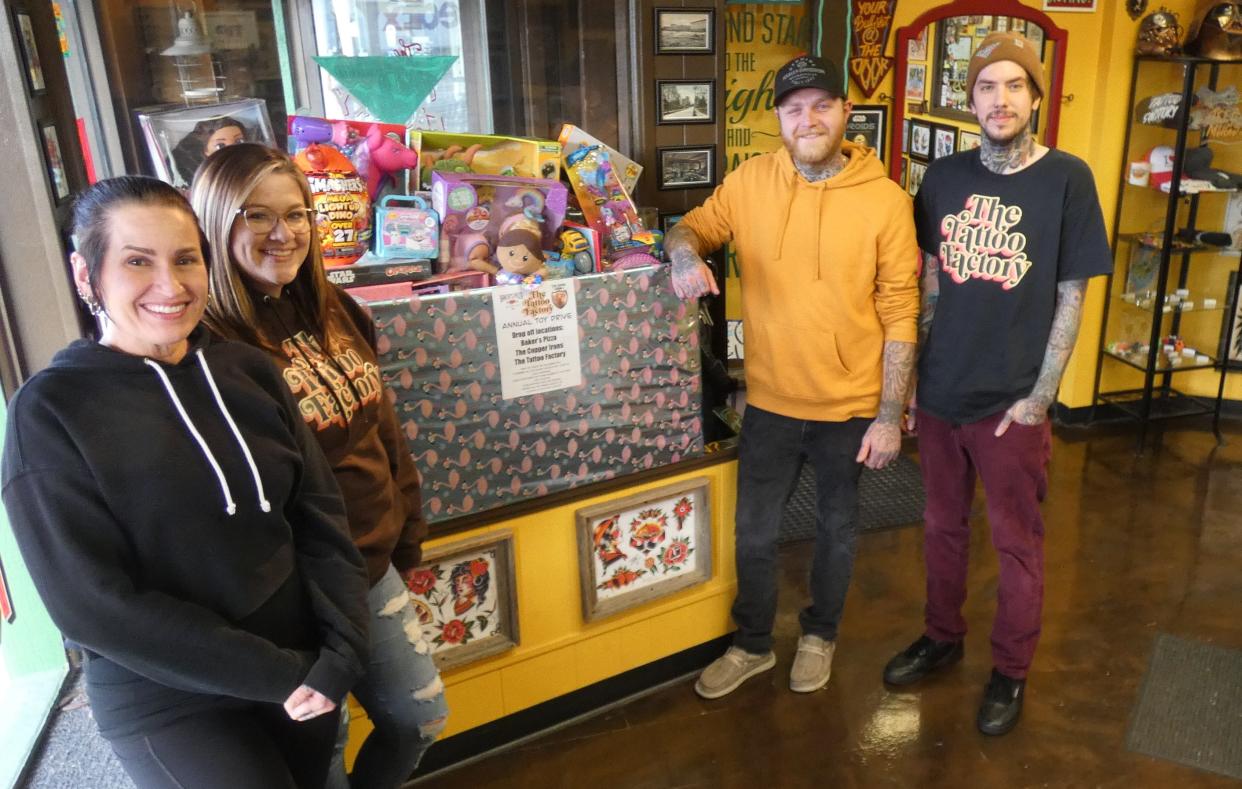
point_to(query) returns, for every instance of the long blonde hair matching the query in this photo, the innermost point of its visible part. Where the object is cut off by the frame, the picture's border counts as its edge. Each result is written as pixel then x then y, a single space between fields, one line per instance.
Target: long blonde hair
pixel 221 187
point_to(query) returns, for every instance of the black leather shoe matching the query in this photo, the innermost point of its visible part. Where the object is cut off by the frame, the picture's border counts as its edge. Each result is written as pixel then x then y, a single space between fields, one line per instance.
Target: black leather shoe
pixel 1002 704
pixel 920 659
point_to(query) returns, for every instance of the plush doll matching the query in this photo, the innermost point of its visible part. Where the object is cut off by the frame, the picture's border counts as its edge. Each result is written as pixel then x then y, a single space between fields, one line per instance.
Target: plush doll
pixel 520 258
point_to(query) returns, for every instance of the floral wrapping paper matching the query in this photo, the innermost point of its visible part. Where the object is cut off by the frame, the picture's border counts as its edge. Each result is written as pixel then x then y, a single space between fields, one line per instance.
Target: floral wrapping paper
pixel 638 406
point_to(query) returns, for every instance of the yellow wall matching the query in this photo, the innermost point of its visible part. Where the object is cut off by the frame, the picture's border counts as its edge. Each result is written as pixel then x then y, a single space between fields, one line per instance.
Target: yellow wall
pixel 1100 54
pixel 559 652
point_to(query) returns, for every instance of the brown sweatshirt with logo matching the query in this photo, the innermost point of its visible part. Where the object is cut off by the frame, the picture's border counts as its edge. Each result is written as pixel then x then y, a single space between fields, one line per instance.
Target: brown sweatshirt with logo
pixel 343 401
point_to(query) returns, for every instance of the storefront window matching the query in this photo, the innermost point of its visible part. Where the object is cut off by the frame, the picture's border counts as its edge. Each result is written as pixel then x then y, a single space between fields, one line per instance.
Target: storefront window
pixel 403 29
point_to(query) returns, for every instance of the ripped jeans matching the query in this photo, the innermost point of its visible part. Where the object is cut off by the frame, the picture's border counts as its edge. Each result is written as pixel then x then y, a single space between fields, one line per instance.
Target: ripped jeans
pixel 401 692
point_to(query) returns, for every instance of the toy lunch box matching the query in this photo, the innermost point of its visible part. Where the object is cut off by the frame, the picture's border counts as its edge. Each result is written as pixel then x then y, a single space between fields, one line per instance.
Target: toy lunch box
pixel 406 231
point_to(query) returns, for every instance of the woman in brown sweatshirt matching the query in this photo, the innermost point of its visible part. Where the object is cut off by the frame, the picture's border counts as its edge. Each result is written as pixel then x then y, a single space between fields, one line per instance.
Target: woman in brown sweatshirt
pixel 269 289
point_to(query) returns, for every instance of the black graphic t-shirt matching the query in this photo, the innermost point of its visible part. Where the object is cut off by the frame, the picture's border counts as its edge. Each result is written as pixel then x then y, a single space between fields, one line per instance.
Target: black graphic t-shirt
pixel 1003 242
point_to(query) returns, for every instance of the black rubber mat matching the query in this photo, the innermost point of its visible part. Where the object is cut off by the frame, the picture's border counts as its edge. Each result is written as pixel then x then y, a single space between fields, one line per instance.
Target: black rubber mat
pixel 1190 707
pixel 892 496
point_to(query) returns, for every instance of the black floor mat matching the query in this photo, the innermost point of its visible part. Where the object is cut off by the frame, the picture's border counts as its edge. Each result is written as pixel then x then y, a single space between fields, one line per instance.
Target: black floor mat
pixel 892 496
pixel 1190 707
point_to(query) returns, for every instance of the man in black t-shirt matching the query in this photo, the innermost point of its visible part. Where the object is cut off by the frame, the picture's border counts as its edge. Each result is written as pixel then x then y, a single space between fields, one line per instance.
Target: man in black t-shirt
pixel 1010 234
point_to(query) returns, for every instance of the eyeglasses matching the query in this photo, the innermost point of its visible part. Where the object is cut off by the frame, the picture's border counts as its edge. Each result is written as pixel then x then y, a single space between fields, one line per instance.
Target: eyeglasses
pixel 262 221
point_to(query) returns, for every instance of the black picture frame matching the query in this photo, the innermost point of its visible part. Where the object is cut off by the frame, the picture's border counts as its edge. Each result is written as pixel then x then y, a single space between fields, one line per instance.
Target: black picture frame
pixel 685 31
pixel 54 159
pixel 1229 351
pixel 920 141
pixel 968 139
pixel 870 123
pixel 668 220
pixel 905 136
pixel 914 178
pixel 686 167
pixel 30 53
pixel 943 141
pixel 685 101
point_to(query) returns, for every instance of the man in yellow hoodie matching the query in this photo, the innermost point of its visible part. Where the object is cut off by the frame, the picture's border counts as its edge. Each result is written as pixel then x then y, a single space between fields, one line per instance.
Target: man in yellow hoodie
pixel 827 252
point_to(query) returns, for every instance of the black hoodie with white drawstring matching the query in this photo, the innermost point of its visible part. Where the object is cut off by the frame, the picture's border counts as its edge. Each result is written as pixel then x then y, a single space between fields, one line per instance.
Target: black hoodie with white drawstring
pixel 182 526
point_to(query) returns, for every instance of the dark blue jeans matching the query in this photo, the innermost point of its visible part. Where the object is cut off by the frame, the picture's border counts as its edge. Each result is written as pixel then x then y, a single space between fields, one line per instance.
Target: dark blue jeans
pixel 771 452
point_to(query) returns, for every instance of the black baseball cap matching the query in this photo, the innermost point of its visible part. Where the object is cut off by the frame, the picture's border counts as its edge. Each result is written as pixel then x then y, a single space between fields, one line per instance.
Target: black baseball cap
pixel 808 71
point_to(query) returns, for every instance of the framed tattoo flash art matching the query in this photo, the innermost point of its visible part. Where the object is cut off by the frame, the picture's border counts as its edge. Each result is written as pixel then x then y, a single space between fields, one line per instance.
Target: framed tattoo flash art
pixel 920 140
pixel 967 140
pixel 914 179
pixel 643 547
pixel 916 80
pixel 944 141
pixel 684 31
pixel 34 68
pixel 466 597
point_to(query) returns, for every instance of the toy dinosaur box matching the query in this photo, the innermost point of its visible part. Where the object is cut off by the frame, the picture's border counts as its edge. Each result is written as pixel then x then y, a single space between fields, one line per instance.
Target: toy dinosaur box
pixel 484 154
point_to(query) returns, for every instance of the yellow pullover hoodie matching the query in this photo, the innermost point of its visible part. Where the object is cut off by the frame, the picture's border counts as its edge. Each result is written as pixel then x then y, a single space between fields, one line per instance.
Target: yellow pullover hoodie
pixel 829 273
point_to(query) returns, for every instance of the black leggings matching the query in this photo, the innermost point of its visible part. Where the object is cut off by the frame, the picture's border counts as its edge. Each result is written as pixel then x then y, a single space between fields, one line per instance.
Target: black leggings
pixel 258 747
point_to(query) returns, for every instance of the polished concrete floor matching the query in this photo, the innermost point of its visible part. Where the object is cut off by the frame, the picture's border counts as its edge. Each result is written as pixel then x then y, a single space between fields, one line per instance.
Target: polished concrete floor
pixel 1136 545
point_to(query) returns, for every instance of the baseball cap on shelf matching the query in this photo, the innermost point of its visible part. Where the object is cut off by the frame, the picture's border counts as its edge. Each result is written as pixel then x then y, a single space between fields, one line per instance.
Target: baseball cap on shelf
pixel 1161 161
pixel 1006 45
pixel 808 71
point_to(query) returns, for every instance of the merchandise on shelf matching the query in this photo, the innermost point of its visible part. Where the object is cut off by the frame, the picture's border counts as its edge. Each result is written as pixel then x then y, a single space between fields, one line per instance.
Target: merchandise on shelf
pixel 484 154
pixel 476 210
pixel 406 231
pixel 339 197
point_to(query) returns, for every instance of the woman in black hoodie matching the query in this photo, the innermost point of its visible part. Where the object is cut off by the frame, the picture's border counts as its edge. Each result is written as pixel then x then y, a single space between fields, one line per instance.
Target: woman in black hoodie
pixel 269 289
pixel 179 522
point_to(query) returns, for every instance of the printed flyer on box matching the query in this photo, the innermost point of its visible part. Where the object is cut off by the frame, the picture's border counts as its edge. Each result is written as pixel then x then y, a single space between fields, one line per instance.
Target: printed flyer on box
pixel 537 338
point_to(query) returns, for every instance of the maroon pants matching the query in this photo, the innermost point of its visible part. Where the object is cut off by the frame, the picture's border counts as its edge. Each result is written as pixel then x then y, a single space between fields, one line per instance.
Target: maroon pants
pixel 1015 479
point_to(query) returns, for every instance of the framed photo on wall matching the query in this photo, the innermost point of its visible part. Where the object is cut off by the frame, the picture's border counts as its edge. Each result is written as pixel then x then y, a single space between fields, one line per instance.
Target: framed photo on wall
pixel 917 49
pixel 668 220
pixel 905 135
pixel 686 166
pixel 866 125
pixel 914 178
pixel 1230 352
pixel 920 140
pixel 685 101
pixel 55 162
pixel 466 597
pixel 967 140
pixel 30 50
pixel 944 141
pixel 916 81
pixel 684 31
pixel 640 548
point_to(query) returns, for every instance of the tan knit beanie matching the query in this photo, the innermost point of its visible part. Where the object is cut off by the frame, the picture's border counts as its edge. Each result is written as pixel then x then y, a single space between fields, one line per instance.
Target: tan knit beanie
pixel 1006 46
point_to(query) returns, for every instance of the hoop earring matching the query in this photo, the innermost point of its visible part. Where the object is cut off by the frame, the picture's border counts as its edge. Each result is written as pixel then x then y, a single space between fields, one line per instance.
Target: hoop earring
pixel 92 304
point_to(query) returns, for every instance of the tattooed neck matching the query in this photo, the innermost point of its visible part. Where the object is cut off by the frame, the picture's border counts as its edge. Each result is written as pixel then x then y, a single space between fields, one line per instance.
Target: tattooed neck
pixel 821 172
pixel 1007 157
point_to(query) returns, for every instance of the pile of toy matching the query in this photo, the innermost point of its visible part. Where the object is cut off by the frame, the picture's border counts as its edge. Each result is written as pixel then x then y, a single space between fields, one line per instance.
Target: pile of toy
pixel 452 211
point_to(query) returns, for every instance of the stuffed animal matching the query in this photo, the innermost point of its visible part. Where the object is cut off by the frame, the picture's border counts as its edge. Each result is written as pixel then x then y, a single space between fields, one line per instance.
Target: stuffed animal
pixel 387 156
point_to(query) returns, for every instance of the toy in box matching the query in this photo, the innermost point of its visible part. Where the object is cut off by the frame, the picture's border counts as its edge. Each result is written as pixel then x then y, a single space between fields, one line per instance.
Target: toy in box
pixel 572 138
pixel 409 231
pixel 606 205
pixel 484 154
pixel 477 210
pixel 377 150
pixel 179 139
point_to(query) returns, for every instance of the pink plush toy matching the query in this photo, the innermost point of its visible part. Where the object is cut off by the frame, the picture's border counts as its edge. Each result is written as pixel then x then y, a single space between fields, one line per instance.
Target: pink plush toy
pixel 387 156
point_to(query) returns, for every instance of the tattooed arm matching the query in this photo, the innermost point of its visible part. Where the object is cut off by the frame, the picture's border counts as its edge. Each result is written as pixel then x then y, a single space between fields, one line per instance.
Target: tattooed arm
pixel 929 294
pixel 1033 409
pixel 882 441
pixel 691 275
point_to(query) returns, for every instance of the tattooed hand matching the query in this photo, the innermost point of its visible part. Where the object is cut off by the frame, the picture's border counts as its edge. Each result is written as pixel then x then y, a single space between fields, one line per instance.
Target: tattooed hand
pixel 880 445
pixel 1027 411
pixel 692 277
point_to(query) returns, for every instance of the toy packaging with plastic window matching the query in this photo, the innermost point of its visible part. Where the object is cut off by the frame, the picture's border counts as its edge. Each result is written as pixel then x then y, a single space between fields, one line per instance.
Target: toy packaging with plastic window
pixel 477 210
pixel 410 231
pixel 484 154
pixel 605 204
pixel 572 138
